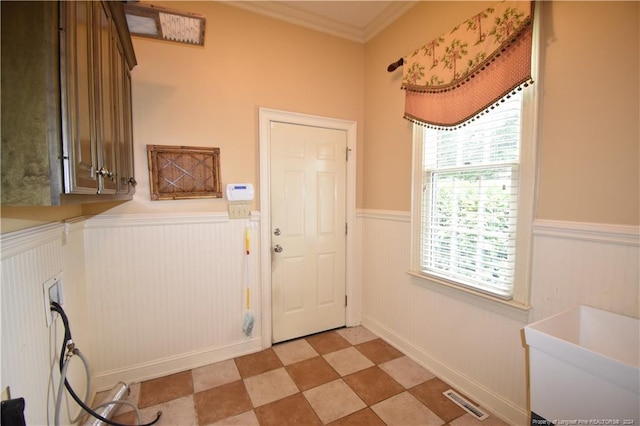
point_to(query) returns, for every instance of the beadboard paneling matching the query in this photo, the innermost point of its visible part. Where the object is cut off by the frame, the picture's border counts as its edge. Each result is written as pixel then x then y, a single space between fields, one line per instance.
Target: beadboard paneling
pixel 585 264
pixel 29 348
pixel 165 293
pixel 479 350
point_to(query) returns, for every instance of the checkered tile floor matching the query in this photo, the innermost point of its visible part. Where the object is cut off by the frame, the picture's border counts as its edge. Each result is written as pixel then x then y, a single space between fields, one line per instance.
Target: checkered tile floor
pixel 341 377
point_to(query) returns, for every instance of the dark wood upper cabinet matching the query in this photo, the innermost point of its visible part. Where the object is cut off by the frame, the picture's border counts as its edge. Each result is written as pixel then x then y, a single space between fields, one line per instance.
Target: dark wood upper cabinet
pixel 66 103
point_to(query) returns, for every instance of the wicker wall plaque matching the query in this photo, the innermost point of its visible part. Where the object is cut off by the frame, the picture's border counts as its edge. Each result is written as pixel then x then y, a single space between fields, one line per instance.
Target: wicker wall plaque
pixel 179 172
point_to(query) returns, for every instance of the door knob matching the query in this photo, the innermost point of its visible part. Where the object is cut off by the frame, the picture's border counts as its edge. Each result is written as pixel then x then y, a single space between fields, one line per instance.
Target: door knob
pixel 276 231
pixel 277 248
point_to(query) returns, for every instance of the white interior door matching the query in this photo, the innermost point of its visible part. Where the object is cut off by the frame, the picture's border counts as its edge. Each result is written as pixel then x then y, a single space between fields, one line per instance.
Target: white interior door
pixel 308 229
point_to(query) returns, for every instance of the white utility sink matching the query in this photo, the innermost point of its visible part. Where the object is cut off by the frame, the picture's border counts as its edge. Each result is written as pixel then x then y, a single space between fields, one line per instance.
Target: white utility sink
pixel 584 366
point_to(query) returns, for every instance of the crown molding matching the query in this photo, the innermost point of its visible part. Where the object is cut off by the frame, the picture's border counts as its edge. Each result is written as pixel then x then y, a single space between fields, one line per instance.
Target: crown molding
pixel 389 15
pixel 315 22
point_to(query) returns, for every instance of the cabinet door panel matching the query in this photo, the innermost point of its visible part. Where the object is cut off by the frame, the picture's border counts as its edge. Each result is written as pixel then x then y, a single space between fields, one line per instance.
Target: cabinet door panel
pixel 123 113
pixel 106 106
pixel 79 97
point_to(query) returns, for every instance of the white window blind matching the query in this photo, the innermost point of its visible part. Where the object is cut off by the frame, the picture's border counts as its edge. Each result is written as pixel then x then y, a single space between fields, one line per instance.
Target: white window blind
pixel 469 200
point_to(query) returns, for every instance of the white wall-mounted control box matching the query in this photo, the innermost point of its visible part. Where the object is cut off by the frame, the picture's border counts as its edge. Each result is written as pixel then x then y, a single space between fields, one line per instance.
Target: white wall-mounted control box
pixel 239 192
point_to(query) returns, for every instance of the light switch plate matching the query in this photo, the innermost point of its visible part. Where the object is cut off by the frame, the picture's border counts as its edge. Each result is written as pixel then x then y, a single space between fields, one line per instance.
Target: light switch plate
pixel 239 211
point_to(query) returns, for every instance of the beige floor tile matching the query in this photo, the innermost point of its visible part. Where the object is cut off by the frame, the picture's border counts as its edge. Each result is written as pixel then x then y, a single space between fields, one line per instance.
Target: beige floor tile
pixel 404 409
pixel 356 335
pixel 470 420
pixel 248 418
pixel 214 375
pixel 294 351
pixel 348 361
pixel 406 372
pixel 333 400
pixel 179 411
pixel 270 386
pixel 292 410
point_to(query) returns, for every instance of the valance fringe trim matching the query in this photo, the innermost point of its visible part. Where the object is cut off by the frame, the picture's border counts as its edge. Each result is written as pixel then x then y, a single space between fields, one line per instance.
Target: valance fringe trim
pixel 460 75
pixel 467 120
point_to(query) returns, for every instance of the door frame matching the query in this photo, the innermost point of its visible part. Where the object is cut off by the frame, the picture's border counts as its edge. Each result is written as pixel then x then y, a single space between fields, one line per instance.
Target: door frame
pixel 266 117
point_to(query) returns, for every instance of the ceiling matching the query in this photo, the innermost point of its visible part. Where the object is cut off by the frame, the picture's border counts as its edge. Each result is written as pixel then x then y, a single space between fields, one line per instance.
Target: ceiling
pixel 354 20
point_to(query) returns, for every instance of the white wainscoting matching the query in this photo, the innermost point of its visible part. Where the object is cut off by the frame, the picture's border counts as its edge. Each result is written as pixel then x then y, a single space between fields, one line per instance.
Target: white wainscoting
pixel 585 264
pixel 476 350
pixel 148 295
pixel 29 348
pixel 166 293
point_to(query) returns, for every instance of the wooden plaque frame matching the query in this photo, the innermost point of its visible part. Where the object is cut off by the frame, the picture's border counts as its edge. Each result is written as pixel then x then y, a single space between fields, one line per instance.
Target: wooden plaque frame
pixel 183 172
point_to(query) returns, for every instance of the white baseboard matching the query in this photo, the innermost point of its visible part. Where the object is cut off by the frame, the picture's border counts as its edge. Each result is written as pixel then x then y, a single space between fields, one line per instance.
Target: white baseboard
pixel 488 400
pixel 163 367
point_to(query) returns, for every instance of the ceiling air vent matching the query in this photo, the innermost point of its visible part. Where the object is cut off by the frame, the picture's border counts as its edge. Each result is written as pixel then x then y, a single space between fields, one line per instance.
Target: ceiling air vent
pixel 147 20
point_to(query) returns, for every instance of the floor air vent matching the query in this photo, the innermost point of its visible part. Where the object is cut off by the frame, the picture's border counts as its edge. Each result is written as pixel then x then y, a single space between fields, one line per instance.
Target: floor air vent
pixel 466 405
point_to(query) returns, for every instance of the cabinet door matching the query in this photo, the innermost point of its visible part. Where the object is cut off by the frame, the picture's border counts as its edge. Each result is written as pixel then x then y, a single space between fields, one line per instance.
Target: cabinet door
pixel 107 133
pixel 126 181
pixel 78 98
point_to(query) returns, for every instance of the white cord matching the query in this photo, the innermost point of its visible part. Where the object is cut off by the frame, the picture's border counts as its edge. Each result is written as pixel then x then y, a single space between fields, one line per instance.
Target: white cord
pixel 63 376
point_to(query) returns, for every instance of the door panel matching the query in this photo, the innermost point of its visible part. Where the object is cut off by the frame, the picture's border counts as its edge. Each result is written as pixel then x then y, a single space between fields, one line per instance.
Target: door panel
pixel 308 182
pixel 79 98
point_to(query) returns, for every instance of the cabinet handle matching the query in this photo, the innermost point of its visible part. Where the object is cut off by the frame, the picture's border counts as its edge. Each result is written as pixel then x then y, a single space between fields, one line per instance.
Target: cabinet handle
pixel 105 173
pixel 132 181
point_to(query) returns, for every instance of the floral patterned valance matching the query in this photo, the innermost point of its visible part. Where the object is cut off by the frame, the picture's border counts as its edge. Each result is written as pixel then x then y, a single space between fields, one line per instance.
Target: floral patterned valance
pixel 458 75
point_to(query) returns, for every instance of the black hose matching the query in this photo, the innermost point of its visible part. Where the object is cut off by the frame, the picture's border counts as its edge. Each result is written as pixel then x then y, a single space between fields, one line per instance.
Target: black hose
pixel 68 341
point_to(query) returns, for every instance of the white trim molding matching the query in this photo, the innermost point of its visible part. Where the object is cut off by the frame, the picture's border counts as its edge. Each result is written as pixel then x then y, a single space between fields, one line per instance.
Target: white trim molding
pixel 298 16
pixel 160 219
pixel 394 215
pixel 17 242
pixel 595 232
pixel 170 365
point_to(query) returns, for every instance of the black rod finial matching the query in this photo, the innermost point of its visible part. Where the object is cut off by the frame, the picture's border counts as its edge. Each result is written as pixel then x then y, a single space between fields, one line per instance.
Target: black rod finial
pixel 392 67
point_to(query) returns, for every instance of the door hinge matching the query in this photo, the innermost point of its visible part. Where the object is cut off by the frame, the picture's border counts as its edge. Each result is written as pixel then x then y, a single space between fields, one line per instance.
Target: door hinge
pixel 345 300
pixel 346 228
pixel 348 151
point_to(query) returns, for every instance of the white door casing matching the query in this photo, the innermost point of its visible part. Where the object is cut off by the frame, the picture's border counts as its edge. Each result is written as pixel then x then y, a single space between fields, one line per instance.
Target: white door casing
pixel 268 118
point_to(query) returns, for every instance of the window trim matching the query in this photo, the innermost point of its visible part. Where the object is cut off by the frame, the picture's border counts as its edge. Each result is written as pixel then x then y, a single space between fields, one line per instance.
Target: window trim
pixel 518 306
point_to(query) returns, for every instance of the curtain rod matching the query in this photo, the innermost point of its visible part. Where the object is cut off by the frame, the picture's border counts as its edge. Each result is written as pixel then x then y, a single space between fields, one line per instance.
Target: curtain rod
pixel 392 67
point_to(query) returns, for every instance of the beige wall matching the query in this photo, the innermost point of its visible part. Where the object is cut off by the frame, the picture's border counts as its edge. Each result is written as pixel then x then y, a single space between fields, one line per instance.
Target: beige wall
pixel 388 144
pixel 590 122
pixel 209 96
pixel 588 168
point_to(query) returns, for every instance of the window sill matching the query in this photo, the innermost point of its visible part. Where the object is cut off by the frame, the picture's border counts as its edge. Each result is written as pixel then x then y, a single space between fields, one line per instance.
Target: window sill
pixel 509 308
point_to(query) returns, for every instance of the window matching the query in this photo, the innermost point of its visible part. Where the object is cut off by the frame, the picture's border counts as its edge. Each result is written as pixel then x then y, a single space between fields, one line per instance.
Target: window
pixel 472 205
